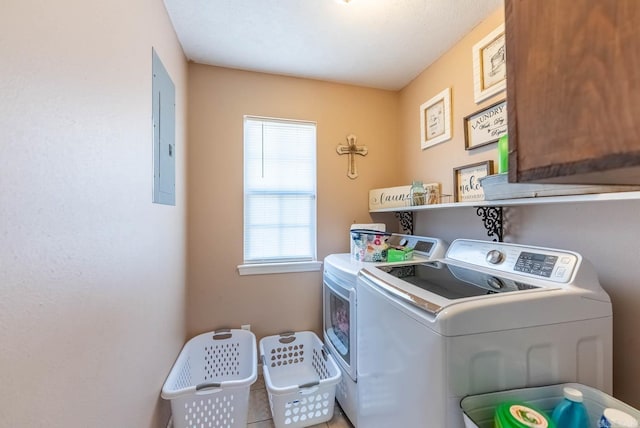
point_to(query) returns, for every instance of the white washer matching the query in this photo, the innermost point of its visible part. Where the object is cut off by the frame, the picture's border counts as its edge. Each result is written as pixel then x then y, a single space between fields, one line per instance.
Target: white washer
pixel 339 309
pixel 488 317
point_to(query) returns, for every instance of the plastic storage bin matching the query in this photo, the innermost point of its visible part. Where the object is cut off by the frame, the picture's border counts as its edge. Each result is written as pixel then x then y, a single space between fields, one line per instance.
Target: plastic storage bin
pixel 209 383
pixel 478 410
pixel 369 245
pixel 301 379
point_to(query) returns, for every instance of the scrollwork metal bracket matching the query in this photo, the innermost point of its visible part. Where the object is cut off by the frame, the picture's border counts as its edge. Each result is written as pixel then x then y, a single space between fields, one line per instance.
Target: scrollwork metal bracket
pixel 493 221
pixel 405 218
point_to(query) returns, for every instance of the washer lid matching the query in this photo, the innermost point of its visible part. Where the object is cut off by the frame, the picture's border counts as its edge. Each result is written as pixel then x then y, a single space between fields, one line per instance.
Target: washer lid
pixel 457 300
pixel 455 282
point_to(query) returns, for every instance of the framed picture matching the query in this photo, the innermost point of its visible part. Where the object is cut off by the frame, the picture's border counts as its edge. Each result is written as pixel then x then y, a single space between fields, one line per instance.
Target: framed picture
pixel 489 65
pixel 485 126
pixel 466 181
pixel 435 120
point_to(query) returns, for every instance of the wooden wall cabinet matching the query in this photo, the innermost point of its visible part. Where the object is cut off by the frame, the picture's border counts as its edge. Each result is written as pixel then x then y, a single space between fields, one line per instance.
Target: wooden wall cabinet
pixel 573 91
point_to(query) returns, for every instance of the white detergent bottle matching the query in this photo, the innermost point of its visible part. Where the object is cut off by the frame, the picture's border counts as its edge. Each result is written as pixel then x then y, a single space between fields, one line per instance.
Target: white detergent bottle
pixel 570 412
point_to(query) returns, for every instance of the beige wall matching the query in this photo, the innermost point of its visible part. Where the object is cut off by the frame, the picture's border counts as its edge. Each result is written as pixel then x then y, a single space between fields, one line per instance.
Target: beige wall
pixel 92 274
pixel 218 99
pixel 606 233
pixel 93 304
pixel 453 70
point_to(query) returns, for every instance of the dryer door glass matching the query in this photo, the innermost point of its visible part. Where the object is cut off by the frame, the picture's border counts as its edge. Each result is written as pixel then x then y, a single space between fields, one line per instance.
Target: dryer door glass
pixel 338 330
pixel 340 322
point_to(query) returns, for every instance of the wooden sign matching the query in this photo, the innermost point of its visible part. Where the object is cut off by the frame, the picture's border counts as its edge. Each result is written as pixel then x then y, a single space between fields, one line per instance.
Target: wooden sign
pixel 485 126
pixel 466 181
pixel 393 197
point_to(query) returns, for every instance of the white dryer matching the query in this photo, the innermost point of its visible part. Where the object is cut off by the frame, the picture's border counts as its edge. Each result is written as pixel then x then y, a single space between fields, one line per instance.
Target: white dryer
pixel 489 316
pixel 340 307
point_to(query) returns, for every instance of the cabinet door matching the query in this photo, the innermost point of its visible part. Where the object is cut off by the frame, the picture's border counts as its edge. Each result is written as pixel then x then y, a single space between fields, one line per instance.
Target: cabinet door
pixel 573 91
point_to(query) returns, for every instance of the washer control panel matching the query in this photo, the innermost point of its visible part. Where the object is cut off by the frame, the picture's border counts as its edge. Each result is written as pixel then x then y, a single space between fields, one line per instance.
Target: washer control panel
pixel 544 263
pixel 536 264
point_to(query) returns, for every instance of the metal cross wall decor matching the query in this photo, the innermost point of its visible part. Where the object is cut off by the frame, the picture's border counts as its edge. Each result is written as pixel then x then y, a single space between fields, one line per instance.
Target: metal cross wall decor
pixel 351 149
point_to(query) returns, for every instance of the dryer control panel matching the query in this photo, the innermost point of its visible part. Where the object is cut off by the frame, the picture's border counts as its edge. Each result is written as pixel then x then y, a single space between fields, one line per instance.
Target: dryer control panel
pixel 544 263
pixel 423 246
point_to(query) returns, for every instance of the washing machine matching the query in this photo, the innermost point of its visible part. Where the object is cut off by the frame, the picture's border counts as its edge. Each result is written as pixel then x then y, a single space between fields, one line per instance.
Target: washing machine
pixel 340 308
pixel 487 317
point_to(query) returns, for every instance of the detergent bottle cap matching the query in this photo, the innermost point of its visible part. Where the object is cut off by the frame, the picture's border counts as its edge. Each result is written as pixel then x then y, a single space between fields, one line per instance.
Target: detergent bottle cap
pixel 572 394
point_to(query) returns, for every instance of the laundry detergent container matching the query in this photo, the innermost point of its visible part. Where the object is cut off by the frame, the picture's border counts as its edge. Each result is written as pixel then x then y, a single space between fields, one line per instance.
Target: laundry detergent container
pixel 479 410
pixel 209 383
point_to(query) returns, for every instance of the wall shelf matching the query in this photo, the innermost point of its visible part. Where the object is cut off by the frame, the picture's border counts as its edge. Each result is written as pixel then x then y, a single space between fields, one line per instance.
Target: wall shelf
pixel 491 212
pixel 593 197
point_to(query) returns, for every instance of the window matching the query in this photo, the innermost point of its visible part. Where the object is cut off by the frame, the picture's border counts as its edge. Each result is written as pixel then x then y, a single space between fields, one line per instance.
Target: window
pixel 279 196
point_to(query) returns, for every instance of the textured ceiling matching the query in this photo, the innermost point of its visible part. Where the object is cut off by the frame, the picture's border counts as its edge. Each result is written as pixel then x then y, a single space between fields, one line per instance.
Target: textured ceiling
pixel 377 43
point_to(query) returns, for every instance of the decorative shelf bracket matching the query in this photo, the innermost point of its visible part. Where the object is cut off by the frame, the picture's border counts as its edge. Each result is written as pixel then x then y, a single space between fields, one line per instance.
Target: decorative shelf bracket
pixel 493 221
pixel 405 218
pixel 492 218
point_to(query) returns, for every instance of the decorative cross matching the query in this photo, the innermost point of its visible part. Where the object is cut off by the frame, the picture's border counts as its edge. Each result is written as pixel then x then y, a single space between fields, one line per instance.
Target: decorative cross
pixel 351 149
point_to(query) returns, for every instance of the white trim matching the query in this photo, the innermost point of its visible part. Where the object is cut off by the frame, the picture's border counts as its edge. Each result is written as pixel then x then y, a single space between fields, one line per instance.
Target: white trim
pixel 267 268
pixel 281 120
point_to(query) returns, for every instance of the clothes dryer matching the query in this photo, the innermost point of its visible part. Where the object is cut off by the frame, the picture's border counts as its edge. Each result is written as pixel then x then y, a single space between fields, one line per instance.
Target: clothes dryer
pixel 340 308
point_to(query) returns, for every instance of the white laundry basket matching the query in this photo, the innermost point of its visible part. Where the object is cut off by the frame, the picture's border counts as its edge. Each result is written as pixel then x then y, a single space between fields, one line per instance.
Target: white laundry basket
pixel 209 383
pixel 301 379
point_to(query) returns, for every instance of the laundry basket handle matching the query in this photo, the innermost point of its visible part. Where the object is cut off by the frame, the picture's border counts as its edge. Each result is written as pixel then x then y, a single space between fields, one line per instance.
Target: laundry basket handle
pixel 287 337
pixel 207 385
pixel 222 334
pixel 309 387
pixel 309 384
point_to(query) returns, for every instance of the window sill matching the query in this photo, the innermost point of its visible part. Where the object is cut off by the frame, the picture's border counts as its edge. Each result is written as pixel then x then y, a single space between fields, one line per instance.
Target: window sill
pixel 267 268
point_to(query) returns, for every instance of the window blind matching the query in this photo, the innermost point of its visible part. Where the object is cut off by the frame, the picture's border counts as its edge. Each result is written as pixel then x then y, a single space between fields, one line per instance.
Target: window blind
pixel 279 190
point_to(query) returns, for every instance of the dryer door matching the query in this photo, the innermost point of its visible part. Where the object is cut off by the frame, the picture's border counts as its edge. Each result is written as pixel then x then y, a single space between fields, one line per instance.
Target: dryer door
pixel 340 322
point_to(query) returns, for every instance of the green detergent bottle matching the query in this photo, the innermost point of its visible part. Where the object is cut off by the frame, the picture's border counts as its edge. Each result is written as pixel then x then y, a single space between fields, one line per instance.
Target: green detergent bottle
pixel 520 415
pixel 503 154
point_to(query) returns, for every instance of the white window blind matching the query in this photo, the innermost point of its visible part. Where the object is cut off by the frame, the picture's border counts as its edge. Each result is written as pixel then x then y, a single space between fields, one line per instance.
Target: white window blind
pixel 279 190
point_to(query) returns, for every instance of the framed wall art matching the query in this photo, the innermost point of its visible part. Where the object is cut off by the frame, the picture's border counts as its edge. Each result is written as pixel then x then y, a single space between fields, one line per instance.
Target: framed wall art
pixel 435 120
pixel 489 65
pixel 466 181
pixel 485 126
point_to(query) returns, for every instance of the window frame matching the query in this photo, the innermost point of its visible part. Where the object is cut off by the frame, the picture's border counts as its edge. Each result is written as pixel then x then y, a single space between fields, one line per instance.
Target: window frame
pixel 269 266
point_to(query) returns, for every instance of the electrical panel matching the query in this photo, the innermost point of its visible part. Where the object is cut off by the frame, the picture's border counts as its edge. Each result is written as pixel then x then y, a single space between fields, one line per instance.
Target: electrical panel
pixel 164 134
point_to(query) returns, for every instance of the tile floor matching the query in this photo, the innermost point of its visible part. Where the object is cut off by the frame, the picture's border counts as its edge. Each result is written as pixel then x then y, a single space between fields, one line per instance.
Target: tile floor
pixel 260 414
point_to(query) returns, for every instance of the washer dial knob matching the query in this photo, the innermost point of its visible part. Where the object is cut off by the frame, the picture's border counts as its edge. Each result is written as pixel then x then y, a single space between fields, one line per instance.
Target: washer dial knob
pixel 494 257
